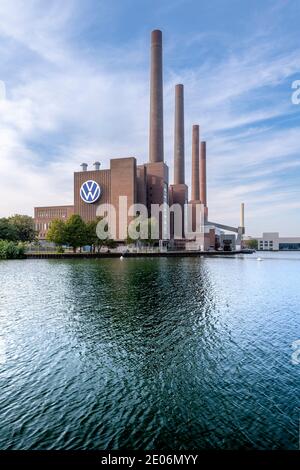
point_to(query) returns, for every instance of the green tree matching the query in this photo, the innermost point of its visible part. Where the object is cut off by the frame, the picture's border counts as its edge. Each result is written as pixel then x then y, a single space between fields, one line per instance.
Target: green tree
pixel 145 228
pixel 24 226
pixel 57 232
pixel 137 228
pixel 8 231
pixel 152 226
pixel 94 240
pixel 252 244
pixel 91 235
pixel 75 232
pixel 110 243
pixel 11 250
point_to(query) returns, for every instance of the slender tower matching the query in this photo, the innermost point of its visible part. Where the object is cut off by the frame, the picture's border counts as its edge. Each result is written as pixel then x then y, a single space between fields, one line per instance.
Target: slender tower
pixel 179 173
pixel 242 215
pixel 203 191
pixel 156 141
pixel 178 192
pixel 195 163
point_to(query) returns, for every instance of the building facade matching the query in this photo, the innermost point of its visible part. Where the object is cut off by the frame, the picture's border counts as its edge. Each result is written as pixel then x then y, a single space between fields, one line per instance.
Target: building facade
pixel 44 215
pixel 139 184
pixel 271 241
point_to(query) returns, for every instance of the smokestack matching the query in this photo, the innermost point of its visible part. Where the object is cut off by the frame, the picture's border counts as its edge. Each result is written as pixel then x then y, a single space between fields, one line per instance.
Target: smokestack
pixel 179 177
pixel 156 142
pixel 195 163
pixel 97 166
pixel 203 190
pixel 84 166
pixel 242 215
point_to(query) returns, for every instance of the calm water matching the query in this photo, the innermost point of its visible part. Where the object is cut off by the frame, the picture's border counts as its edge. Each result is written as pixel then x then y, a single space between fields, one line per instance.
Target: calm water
pixel 150 353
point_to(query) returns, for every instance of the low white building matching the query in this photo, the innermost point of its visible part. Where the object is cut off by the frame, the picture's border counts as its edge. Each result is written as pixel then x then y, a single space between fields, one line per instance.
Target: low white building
pixel 271 241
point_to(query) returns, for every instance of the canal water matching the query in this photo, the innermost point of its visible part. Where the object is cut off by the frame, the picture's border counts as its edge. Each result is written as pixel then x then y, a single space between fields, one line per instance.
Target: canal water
pixel 150 353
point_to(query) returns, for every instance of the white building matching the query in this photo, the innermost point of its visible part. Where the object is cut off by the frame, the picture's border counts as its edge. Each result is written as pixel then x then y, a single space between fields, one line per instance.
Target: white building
pixel 271 241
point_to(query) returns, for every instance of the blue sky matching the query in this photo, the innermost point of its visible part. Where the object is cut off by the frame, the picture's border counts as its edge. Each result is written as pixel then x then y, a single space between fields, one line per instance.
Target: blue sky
pixel 76 76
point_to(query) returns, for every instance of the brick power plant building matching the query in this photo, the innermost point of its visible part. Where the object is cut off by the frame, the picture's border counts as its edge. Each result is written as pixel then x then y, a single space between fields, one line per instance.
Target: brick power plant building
pixel 148 183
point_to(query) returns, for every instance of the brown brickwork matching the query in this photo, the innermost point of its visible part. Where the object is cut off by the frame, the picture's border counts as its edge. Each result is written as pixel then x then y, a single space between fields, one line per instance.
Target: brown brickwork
pixel 44 215
pixel 102 177
pixel 123 183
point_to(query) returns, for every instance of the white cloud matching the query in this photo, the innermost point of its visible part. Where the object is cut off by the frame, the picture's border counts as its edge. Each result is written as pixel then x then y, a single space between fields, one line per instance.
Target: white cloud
pixel 66 107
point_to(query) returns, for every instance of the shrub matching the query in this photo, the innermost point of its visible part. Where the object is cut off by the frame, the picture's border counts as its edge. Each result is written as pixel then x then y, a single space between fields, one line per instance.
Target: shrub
pixel 11 250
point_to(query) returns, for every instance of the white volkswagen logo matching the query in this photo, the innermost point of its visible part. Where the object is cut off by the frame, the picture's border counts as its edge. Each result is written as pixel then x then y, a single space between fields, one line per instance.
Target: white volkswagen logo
pixel 90 191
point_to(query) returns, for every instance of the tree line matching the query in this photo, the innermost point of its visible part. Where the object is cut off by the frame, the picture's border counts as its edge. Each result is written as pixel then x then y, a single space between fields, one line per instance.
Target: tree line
pixel 15 231
pixel 17 228
pixel 76 233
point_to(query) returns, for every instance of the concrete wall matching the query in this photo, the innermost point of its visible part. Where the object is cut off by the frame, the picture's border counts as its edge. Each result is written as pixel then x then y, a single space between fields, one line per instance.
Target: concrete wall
pixel 271 241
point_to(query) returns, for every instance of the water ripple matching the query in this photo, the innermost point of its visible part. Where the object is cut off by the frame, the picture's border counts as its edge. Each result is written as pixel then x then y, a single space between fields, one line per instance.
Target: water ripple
pixel 151 354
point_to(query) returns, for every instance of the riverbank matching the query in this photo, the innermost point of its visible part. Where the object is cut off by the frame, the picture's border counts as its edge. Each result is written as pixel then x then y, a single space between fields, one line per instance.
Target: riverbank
pixel 144 254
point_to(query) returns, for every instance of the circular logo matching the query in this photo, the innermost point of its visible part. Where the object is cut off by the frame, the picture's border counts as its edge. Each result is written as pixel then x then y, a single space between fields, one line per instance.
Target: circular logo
pixel 90 191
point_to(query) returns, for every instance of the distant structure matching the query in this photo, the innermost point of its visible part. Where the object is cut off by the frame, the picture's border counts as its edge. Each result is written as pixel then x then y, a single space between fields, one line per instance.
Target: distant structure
pixel 148 183
pixel 271 241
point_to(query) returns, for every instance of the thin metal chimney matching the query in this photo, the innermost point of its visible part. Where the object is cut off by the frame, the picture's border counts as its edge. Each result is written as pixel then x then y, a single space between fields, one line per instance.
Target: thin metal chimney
pixel 84 166
pixel 97 166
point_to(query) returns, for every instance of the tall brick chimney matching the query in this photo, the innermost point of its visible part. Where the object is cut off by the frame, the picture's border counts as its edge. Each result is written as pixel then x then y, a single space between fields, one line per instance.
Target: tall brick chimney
pixel 195 164
pixel 179 171
pixel 203 189
pixel 156 140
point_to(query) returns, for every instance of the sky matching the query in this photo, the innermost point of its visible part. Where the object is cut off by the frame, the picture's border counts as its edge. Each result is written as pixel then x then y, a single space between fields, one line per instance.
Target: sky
pixel 75 88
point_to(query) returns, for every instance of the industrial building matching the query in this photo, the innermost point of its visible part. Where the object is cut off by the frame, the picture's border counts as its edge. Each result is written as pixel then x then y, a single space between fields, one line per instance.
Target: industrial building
pixel 148 183
pixel 271 241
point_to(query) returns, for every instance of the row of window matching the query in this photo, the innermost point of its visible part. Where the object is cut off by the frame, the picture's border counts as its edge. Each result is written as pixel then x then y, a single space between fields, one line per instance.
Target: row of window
pixel 265 244
pixel 289 246
pixel 51 214
pixel 40 226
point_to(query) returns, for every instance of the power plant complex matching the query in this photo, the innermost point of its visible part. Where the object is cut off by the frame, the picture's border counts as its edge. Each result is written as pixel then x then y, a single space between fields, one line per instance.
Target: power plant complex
pixel 148 184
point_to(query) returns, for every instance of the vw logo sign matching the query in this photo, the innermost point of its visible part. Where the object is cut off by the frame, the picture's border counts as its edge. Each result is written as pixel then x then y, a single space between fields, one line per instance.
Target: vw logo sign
pixel 90 191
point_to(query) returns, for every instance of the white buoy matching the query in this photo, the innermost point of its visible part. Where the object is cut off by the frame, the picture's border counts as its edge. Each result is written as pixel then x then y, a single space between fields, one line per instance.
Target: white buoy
pixel 121 257
pixel 259 259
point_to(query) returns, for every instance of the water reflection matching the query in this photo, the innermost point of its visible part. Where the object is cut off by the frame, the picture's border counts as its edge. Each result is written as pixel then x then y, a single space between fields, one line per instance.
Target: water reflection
pixel 148 353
